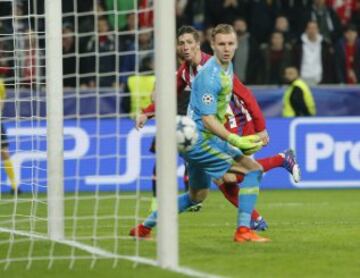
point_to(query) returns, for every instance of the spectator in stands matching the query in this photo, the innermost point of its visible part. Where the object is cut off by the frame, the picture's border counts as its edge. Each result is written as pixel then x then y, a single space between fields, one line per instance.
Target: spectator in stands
pixel 282 25
pixel 298 99
pixel 293 10
pixel 100 65
pixel 139 87
pixel 344 9
pixel 190 12
pixel 127 34
pixel 146 14
pixel 206 44
pixel 182 16
pixel 224 11
pixel 327 19
pixel 87 13
pixel 131 62
pixel 69 58
pixel 246 60
pixel 6 59
pixel 31 62
pixel 355 17
pixel 121 8
pixel 146 45
pixel 194 12
pixel 261 16
pixel 314 56
pixel 348 57
pixel 276 56
pixel 5 16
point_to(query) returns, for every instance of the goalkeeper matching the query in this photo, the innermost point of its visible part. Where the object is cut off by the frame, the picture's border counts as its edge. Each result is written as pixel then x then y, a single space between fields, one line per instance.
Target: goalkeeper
pixel 217 151
pixel 244 117
pixel 5 157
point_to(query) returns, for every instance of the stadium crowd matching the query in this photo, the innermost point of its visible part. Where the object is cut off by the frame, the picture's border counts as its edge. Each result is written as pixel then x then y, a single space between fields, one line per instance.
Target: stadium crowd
pixel 319 37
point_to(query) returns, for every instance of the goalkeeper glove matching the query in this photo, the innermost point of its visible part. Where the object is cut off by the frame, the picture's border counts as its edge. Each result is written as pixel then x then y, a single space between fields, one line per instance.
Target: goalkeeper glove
pixel 247 144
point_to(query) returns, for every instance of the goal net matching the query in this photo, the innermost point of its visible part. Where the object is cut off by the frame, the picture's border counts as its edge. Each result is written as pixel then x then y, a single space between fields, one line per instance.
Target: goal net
pixel 108 76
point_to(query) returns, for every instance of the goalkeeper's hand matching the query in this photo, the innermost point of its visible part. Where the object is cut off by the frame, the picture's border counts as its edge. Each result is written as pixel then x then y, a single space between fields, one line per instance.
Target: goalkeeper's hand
pixel 247 144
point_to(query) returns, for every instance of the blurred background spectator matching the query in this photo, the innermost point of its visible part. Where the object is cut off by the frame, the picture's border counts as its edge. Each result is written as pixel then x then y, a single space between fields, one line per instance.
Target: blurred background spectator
pixel 99 63
pixel 345 9
pixel 135 53
pixel 206 43
pixel 276 56
pixel 314 56
pixel 223 11
pixel 120 8
pixel 348 57
pixel 69 57
pixel 298 99
pixel 282 25
pixel 327 19
pixel 247 56
pixel 255 21
pixel 260 16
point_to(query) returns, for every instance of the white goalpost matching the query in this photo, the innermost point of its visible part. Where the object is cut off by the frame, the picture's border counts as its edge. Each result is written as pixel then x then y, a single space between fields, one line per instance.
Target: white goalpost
pixel 55 118
pixel 166 140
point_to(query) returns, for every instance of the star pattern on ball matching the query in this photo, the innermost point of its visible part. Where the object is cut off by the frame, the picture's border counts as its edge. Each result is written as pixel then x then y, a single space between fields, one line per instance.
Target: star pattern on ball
pixel 181 126
pixel 187 143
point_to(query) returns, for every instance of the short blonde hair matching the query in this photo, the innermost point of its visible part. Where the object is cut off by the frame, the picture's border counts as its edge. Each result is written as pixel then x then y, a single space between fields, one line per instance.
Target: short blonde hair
pixel 222 29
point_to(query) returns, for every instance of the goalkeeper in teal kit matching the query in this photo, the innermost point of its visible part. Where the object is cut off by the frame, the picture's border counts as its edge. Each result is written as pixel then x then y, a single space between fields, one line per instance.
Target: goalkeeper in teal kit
pixel 217 153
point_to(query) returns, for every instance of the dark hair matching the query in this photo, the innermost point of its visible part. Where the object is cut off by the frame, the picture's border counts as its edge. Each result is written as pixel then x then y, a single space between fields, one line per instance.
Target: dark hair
pixel 102 17
pixel 68 26
pixel 186 29
pixel 239 18
pixel 350 27
pixel 311 21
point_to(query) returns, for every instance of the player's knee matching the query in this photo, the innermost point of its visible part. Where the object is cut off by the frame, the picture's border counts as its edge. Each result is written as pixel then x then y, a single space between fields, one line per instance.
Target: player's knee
pixel 255 166
pixel 229 178
pixel 198 195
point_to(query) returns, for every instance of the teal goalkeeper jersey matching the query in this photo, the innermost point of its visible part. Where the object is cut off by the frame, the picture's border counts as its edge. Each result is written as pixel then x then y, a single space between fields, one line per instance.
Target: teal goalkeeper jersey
pixel 210 94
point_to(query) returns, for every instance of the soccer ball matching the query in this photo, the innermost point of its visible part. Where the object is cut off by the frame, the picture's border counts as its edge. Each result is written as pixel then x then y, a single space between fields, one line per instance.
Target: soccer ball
pixel 186 134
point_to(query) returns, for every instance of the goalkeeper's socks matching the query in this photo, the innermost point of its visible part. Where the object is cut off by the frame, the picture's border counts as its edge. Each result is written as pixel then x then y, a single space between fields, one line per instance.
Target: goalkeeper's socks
pixel 184 202
pixel 247 197
pixel 231 193
pixel 9 169
pixel 271 162
pixel 153 206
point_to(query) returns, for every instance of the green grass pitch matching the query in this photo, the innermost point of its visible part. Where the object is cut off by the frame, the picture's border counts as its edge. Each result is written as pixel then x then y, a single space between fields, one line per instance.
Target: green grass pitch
pixel 315 233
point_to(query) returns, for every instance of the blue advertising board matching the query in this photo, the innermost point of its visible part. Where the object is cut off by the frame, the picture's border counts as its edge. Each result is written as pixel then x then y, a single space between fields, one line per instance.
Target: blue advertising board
pixel 110 154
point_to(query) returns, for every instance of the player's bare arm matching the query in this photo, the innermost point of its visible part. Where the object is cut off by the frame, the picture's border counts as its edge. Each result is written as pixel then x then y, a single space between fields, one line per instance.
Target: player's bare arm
pixel 264 137
pixel 141 120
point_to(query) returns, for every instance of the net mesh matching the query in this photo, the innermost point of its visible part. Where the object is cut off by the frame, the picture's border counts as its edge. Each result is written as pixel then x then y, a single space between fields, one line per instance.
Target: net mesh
pixel 108 76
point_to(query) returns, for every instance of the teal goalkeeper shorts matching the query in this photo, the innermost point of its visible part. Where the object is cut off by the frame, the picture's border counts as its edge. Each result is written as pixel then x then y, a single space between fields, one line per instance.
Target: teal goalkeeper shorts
pixel 209 159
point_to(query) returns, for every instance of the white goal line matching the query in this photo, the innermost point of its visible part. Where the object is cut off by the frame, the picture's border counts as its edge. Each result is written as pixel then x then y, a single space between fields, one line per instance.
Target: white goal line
pixel 106 254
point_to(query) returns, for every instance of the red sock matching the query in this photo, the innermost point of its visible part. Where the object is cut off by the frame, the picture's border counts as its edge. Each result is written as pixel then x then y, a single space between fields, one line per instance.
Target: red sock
pixel 269 163
pixel 239 178
pixel 231 193
pixel 255 215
